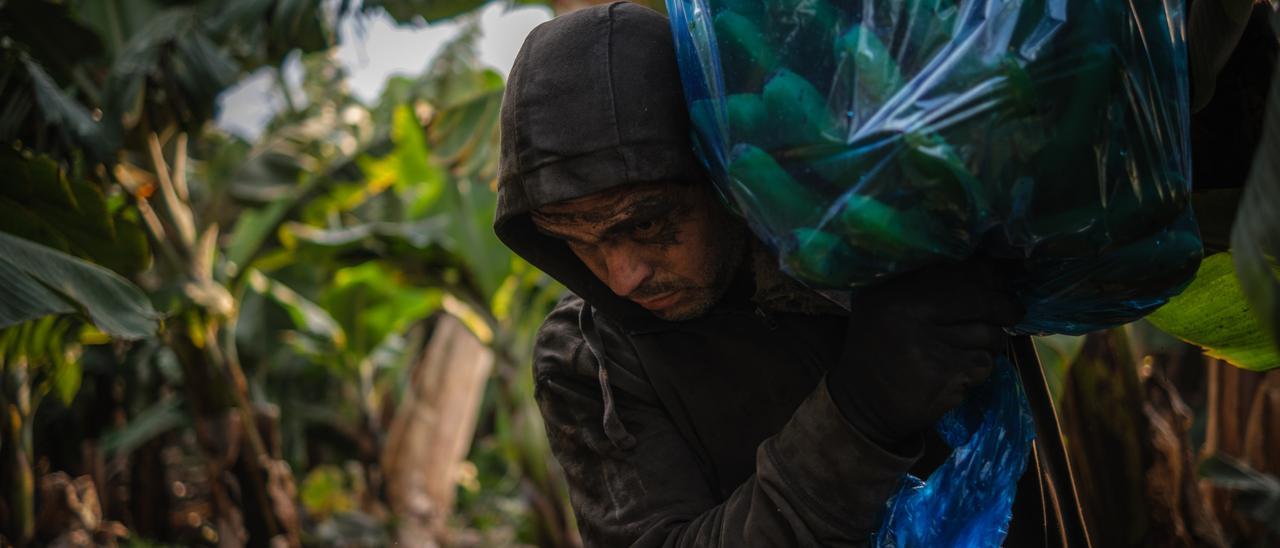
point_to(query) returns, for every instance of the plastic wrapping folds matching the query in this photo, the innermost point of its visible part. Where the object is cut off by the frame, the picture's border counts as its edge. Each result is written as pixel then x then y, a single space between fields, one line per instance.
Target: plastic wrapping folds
pixel 968 500
pixel 867 138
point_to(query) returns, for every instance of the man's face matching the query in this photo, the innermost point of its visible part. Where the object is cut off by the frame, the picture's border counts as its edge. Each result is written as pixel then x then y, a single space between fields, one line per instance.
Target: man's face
pixel 668 247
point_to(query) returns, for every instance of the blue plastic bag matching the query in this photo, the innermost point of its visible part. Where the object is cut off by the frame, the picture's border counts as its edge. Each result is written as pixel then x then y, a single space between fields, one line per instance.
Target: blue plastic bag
pixel 864 138
pixel 967 502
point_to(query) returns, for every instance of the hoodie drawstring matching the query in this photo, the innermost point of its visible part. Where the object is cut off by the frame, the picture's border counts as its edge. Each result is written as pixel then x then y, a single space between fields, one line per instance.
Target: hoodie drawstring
pixel 613 427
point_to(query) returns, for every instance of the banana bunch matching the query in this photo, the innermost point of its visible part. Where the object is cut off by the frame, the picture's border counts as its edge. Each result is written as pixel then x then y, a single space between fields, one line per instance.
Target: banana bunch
pixel 866 138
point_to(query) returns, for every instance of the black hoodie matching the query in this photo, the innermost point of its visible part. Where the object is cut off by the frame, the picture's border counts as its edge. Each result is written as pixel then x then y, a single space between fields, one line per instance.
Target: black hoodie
pixel 717 431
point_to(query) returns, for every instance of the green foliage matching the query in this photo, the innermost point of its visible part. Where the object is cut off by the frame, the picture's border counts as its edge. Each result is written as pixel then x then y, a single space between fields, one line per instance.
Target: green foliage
pixel 408 168
pixel 350 529
pixel 40 281
pixel 373 301
pixel 325 492
pixel 45 46
pixel 49 32
pixel 408 11
pixel 137 542
pixel 344 229
pixel 1214 313
pixel 1057 353
pixel 308 318
pixel 39 351
pixel 57 112
pixel 280 26
pixel 79 76
pixel 174 39
pixel 254 228
pixel 42 203
pixel 158 418
pixel 1255 237
pixel 470 152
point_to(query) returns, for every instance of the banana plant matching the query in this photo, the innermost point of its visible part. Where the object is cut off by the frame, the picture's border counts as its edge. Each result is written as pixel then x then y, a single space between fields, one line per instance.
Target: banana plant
pixel 53 301
pixel 1232 308
pixel 419 216
pixel 101 98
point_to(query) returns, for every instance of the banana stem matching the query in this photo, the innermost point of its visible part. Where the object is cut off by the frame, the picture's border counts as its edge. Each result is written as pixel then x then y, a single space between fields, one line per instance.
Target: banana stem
pixel 179 212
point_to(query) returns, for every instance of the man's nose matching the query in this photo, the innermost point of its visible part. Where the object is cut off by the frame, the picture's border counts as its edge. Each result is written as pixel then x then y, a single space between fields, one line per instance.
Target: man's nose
pixel 626 270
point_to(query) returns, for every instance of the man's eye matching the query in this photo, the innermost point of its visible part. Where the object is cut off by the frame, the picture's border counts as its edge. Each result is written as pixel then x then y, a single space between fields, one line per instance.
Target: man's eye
pixel 646 229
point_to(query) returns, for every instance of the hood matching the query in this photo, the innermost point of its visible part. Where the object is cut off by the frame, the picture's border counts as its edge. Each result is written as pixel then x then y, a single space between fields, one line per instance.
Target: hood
pixel 593 102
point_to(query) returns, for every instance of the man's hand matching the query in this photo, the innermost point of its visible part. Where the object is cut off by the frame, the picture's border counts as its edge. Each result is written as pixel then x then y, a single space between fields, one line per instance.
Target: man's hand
pixel 916 344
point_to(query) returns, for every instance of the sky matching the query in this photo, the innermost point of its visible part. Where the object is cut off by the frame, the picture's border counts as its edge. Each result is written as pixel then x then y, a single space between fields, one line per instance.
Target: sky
pixel 373 48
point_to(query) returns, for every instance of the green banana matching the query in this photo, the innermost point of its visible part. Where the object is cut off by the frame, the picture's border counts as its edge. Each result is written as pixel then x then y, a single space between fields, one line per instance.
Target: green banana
pixel 1021 88
pixel 798 112
pixel 938 172
pixel 753 10
pixel 821 259
pixel 869 222
pixel 746 56
pixel 874 71
pixel 782 202
pixel 749 120
pixel 802 32
pixel 929 27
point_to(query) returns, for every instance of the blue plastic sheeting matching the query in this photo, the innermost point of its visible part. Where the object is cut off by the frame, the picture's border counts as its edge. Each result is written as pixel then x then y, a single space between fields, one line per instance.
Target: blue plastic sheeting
pixel 967 502
pixel 861 139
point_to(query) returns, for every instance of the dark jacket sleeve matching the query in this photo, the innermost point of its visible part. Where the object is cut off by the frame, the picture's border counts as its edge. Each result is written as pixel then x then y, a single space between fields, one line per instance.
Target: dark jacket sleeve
pixel 817 481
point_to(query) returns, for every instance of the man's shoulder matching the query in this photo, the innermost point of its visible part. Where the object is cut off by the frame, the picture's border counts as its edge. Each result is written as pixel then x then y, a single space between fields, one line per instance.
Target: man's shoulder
pixel 563 319
pixel 559 346
pixel 560 327
pixel 571 342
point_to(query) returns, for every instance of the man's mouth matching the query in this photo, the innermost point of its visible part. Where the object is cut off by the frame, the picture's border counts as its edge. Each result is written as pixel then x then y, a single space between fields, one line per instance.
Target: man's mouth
pixel 660 301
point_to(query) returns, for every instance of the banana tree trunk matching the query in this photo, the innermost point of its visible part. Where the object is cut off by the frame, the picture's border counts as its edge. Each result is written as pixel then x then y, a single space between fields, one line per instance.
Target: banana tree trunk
pixel 228 431
pixel 20 492
pixel 1129 440
pixel 17 510
pixel 1109 441
pixel 1243 422
pixel 432 430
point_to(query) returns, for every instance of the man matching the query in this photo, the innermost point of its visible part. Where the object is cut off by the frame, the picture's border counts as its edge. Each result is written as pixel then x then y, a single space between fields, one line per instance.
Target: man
pixel 695 395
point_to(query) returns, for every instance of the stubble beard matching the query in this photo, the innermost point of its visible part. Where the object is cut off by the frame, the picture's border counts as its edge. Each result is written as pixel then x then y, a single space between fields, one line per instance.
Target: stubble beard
pixel 731 253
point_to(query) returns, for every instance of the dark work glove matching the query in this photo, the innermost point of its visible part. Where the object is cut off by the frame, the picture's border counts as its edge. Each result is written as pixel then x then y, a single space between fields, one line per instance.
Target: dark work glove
pixel 916 343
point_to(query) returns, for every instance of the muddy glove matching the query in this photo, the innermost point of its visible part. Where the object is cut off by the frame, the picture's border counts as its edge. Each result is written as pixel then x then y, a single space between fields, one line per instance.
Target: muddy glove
pixel 915 345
